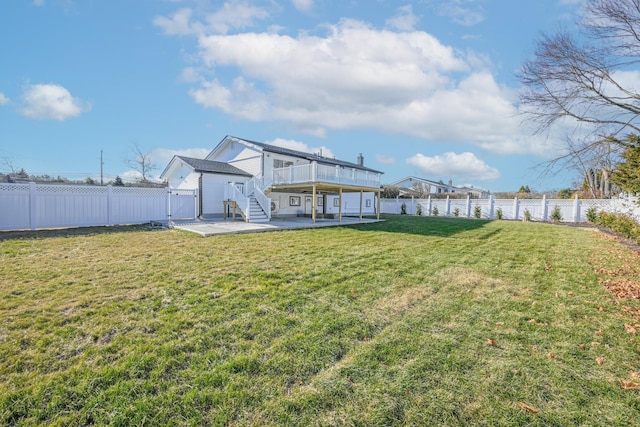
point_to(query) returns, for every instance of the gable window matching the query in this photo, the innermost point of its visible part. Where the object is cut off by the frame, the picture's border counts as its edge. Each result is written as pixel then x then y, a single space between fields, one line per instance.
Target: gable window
pixel 279 163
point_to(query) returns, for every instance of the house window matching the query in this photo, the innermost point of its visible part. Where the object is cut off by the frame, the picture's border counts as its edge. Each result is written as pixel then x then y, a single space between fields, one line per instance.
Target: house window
pixel 279 163
pixel 294 200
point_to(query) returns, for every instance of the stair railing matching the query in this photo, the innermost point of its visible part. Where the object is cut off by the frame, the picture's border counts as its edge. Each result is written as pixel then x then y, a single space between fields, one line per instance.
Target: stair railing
pixel 254 187
pixel 236 192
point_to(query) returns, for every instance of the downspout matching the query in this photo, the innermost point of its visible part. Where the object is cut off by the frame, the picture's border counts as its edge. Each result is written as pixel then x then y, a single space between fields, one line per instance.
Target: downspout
pixel 200 180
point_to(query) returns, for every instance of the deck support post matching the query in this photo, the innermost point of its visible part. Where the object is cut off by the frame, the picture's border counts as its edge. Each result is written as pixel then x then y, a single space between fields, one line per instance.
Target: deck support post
pixel 340 207
pixel 314 202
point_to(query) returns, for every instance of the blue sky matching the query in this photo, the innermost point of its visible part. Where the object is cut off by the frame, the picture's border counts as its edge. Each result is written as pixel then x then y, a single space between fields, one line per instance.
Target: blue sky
pixel 425 87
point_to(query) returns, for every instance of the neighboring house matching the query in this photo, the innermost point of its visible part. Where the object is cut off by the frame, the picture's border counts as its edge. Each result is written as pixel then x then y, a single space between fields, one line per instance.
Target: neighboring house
pixel 263 181
pixel 425 186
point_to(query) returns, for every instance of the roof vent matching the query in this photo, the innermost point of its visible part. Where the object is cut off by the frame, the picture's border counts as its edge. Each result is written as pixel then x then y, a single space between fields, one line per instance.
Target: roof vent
pixel 360 160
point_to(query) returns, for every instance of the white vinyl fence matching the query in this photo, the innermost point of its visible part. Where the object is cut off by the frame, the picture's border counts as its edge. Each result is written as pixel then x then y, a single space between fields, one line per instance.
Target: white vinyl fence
pixel 571 210
pixel 32 206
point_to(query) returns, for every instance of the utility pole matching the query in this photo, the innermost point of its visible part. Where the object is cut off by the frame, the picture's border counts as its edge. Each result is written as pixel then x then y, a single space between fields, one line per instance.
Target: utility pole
pixel 101 166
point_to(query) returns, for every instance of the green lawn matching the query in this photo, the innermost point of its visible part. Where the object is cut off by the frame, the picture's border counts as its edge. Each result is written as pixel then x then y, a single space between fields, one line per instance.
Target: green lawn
pixel 413 321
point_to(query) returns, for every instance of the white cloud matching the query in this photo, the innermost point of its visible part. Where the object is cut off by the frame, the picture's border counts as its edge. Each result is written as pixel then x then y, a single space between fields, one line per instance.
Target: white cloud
pixel 355 76
pixel 177 25
pixel 462 12
pixel 4 100
pixel 303 5
pixel 301 146
pixel 405 20
pixel 233 15
pixel 52 102
pixel 38 2
pixel 463 166
pixel 385 160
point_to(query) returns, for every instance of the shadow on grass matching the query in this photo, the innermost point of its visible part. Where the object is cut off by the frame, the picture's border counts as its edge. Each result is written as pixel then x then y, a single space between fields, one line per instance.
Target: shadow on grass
pixel 71 232
pixel 426 226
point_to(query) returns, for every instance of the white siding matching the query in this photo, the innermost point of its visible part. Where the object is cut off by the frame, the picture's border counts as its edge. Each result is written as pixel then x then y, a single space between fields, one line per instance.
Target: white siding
pixel 213 192
pixel 240 156
pixel 184 178
pixel 249 164
pixel 350 204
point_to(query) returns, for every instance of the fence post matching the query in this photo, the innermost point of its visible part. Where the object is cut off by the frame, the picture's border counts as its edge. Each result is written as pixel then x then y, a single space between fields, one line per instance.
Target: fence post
pixel 429 205
pixel 491 206
pixel 576 209
pixel 32 206
pixel 468 206
pixel 448 206
pixel 516 205
pixel 544 207
pixel 196 214
pixel 168 190
pixel 109 205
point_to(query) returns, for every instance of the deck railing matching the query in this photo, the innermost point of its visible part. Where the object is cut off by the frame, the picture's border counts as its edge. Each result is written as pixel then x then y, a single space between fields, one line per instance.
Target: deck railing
pixel 314 172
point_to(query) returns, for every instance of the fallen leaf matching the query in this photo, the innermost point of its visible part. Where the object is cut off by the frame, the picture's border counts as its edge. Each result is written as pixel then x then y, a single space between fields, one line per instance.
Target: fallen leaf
pixel 552 355
pixel 595 343
pixel 629 385
pixel 635 376
pixel 490 341
pixel 601 308
pixel 598 333
pixel 499 323
pixel 528 408
pixel 570 294
pixel 630 329
pixel 600 360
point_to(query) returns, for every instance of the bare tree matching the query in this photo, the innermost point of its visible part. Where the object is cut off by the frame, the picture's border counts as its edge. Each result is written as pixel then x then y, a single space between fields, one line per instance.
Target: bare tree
pixel 8 165
pixel 582 81
pixel 141 162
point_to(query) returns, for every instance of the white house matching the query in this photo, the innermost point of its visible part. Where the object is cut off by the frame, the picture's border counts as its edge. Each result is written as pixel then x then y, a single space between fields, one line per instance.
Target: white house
pixel 433 187
pixel 262 181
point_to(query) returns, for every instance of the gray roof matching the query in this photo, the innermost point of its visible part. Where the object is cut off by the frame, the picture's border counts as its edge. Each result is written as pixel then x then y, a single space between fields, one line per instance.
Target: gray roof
pixel 210 166
pixel 307 156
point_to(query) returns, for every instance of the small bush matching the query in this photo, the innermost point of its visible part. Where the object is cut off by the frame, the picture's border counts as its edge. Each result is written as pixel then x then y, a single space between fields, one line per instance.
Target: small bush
pixel 403 209
pixel 419 210
pixel 499 213
pixel 477 211
pixel 620 224
pixel 556 214
pixel 435 211
pixel 456 212
pixel 527 215
pixel 592 215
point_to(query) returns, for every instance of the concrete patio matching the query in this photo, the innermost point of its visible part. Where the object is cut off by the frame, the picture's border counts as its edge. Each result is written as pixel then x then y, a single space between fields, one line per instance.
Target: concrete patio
pixel 229 226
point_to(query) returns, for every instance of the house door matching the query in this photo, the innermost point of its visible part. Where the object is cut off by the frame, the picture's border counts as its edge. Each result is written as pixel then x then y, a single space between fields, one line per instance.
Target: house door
pixel 308 205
